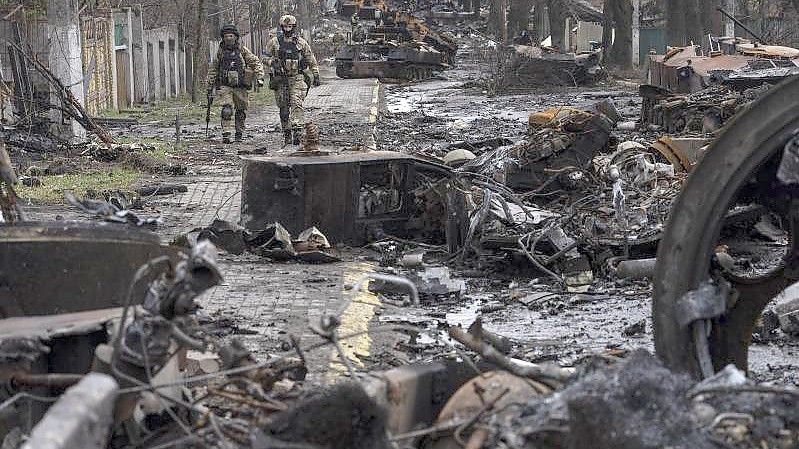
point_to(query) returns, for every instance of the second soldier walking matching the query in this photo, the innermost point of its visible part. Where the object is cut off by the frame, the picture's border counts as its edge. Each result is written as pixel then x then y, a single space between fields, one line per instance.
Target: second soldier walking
pixel 293 69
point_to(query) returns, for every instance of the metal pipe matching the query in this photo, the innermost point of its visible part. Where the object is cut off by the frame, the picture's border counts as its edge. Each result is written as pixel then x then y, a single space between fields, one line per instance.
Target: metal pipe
pixel 396 280
pixel 636 269
pixel 21 380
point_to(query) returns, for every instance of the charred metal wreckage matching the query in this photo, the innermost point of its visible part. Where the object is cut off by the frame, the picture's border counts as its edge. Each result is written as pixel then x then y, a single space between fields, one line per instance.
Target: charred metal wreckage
pixel 392 45
pixel 101 345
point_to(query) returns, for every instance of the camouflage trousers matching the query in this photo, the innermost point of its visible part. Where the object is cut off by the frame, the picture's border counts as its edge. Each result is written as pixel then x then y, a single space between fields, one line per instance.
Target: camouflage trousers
pixel 289 95
pixel 232 98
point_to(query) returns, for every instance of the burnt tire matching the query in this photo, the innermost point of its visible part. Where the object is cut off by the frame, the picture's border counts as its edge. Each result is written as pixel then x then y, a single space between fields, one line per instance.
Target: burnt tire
pixel 684 254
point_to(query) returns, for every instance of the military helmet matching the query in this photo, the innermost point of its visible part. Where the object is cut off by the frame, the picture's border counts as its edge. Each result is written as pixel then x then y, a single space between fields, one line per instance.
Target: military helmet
pixel 229 29
pixel 288 19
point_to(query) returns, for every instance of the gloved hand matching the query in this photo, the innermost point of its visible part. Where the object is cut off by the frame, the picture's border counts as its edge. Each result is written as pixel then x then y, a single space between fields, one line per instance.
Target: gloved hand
pixel 316 81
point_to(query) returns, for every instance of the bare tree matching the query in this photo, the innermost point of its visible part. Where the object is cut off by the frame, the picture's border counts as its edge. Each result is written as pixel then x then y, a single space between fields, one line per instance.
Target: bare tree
pixel 711 18
pixel 519 17
pixel 497 18
pixel 198 55
pixel 620 14
pixel 557 23
pixel 683 22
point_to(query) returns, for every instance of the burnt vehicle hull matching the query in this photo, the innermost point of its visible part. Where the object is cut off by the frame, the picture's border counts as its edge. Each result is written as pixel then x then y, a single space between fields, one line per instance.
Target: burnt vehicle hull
pixel 375 196
pixel 62 286
pixel 527 66
pixel 391 62
pixel 66 267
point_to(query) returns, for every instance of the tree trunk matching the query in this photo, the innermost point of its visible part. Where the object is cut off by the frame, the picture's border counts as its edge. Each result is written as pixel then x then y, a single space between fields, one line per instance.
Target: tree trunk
pixel 519 18
pixel 607 29
pixel 711 18
pixel 621 13
pixel 693 22
pixel 763 15
pixel 198 52
pixel 497 19
pixel 683 22
pixel 675 23
pixel 557 24
pixel 539 29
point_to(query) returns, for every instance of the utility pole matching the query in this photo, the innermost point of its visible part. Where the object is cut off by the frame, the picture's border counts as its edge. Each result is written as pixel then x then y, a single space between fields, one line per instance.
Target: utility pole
pixel 636 32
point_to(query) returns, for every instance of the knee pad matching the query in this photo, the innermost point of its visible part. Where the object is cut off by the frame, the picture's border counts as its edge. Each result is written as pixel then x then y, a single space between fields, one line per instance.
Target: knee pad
pixel 227 112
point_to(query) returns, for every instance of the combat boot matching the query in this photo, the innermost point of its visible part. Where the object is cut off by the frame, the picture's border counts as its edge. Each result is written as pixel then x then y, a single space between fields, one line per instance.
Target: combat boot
pixel 226 137
pixel 296 136
pixel 240 117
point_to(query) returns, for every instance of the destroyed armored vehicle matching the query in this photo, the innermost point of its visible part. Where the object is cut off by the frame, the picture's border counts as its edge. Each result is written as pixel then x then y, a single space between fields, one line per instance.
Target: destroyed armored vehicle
pixel 686 70
pixel 533 66
pixel 393 45
pixel 408 61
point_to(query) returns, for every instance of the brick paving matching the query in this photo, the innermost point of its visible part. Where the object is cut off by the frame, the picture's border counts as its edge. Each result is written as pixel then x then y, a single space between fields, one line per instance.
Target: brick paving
pixel 262 302
pixel 267 301
pixel 215 190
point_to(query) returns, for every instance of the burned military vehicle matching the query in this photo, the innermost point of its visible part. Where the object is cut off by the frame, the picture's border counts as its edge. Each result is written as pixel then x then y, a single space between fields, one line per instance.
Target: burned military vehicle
pixel 392 45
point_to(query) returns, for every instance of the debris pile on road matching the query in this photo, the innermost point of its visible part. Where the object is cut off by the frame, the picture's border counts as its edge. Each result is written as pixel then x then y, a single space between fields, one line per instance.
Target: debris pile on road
pixel 568 198
pixel 723 411
pixel 135 155
pixel 114 209
pixel 273 242
pixel 704 111
pixel 329 35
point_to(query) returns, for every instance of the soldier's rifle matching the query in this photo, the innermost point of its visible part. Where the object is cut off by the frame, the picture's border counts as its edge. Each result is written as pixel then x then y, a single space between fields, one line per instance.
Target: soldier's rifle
pixel 210 98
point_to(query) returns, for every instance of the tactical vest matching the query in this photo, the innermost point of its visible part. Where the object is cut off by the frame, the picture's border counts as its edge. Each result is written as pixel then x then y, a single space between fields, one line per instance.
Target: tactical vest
pixel 290 56
pixel 231 67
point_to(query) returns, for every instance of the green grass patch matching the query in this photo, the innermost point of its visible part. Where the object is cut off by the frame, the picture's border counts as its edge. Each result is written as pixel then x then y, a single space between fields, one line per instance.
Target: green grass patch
pixel 81 185
pixel 165 110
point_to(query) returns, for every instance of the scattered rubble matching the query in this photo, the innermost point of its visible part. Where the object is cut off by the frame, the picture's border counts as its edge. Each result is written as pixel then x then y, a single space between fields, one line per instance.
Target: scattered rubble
pixel 701 112
pixel 114 210
pixel 531 219
pixel 677 412
pixel 274 242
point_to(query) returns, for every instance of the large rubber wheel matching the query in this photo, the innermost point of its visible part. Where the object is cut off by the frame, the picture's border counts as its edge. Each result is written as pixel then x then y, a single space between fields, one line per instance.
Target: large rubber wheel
pixel 749 143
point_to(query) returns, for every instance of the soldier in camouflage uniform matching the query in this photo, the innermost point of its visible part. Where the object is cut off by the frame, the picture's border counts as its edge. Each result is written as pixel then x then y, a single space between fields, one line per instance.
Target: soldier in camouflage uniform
pixel 232 73
pixel 293 68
